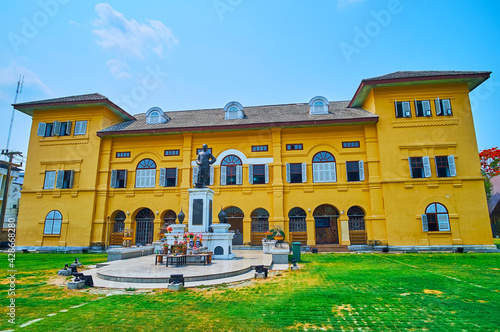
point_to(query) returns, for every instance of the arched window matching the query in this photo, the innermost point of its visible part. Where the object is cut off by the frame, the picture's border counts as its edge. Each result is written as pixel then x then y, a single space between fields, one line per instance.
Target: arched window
pixel 324 167
pixel 231 170
pixel 260 220
pixel 145 176
pixel 53 222
pixel 169 218
pixel 155 115
pixel 435 218
pixel 233 110
pixel 119 222
pixel 318 105
pixel 297 217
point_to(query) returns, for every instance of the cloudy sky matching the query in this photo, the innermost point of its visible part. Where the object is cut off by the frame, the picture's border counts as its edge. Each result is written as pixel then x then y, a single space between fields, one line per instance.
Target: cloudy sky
pixel 202 54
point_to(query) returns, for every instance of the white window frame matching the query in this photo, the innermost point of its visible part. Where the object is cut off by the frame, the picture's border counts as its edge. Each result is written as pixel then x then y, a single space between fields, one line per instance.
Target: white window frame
pixel 49 180
pixel 80 128
pixel 53 226
pixel 145 178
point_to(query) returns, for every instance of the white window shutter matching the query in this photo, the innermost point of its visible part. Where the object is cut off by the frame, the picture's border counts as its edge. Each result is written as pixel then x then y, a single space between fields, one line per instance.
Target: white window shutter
pixel 361 170
pixel 239 174
pixel 49 182
pixel 288 172
pixel 41 129
pixel 48 226
pixel 113 178
pixel 177 175
pixel 266 168
pixel 315 172
pixel 56 128
pixel 138 176
pixel 83 129
pixel 406 109
pixel 426 106
pixel 68 127
pixel 152 178
pixel 416 107
pixel 451 165
pixel 57 227
pixel 163 175
pixel 250 173
pixel 333 171
pixel 438 106
pixel 409 164
pixel 425 226
pixel 125 179
pixel 195 175
pixel 212 176
pixel 446 107
pixel 78 125
pixel 71 178
pixel 304 172
pixel 396 107
pixel 427 166
pixel 60 179
pixel 223 175
pixel 443 222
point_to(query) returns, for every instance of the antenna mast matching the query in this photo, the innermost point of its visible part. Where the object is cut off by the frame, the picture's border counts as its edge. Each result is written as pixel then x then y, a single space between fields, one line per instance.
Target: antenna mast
pixel 18 91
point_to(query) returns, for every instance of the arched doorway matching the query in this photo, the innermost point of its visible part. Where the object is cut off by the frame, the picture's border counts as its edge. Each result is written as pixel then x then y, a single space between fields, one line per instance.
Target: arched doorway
pixel 169 218
pixel 325 219
pixel 297 225
pixel 235 218
pixel 357 232
pixel 260 225
pixel 116 237
pixel 144 227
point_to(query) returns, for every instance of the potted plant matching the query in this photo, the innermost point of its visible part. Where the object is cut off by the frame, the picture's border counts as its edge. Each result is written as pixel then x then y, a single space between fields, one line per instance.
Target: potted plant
pixel 278 233
pixel 127 236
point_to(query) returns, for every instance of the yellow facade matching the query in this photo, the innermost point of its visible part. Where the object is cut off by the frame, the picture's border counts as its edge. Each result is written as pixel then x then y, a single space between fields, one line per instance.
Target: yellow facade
pixel 391 200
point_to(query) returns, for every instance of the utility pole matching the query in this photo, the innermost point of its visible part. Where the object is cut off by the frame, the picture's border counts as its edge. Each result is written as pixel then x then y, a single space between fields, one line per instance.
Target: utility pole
pixel 10 155
pixel 18 91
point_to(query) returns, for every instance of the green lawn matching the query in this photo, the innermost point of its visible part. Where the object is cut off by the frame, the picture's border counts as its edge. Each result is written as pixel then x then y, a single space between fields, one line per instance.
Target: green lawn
pixel 369 292
pixel 496 242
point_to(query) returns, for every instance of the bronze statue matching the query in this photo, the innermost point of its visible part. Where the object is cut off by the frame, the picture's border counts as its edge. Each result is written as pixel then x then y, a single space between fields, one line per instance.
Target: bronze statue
pixel 204 160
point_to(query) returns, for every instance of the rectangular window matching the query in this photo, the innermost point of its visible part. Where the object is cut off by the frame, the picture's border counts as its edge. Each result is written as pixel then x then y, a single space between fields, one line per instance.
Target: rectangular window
pixel 171 152
pixel 119 178
pixel 420 167
pixel 445 166
pixel 259 148
pixel 50 180
pixel 65 128
pixel 295 173
pixel 48 129
pixel 259 174
pixel 294 147
pixel 352 168
pixel 64 179
pixel 80 128
pixel 347 145
pixel 123 154
pixel 198 150
pixel 402 109
pixel 443 107
pixel 171 177
pixel 423 107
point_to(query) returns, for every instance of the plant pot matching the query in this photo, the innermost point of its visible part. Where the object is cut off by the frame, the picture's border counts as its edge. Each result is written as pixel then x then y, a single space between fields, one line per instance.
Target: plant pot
pixel 127 238
pixel 279 238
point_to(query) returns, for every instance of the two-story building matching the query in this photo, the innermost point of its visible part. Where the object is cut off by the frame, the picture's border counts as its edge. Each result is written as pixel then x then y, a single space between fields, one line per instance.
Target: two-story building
pixel 395 166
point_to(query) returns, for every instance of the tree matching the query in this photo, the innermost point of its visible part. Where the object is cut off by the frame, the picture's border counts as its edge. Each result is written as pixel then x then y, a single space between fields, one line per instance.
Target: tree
pixel 490 167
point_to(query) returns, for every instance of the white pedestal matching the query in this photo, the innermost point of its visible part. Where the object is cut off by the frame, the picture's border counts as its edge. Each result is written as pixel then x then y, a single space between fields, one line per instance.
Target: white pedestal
pixel 200 209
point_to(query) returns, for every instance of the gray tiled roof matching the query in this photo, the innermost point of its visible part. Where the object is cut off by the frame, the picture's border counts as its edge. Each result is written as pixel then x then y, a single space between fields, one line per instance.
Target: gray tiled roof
pixel 87 97
pixel 424 73
pixel 269 115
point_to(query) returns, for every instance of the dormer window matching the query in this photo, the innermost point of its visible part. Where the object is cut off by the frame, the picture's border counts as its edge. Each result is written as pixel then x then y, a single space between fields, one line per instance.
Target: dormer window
pixel 233 110
pixel 318 105
pixel 155 115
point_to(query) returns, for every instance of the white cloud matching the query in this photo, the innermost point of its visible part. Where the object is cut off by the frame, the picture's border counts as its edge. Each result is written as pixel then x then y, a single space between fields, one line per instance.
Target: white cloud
pixel 126 37
pixel 117 68
pixel 10 75
pixel 342 4
pixel 74 23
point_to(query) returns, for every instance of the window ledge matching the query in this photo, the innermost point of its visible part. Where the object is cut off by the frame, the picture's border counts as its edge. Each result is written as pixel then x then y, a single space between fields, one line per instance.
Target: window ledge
pixel 52 235
pixel 438 232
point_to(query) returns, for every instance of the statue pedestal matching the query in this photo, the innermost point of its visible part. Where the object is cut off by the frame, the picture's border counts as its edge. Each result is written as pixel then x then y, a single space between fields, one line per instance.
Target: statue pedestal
pixel 200 209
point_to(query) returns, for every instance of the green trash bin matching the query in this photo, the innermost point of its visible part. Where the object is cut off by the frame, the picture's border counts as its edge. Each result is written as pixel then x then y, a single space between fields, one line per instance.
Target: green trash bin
pixel 296 251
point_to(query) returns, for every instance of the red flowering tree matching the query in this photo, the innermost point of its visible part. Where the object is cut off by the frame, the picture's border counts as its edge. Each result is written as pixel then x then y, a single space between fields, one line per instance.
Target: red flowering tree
pixel 490 166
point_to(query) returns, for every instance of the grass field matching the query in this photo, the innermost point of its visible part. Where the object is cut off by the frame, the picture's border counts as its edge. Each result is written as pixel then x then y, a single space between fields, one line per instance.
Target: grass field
pixel 341 292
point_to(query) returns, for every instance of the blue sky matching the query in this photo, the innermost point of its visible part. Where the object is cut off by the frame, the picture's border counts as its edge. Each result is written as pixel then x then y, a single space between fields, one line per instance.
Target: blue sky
pixel 202 54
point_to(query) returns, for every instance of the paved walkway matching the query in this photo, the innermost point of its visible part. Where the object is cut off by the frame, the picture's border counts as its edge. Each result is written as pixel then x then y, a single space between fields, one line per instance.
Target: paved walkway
pixel 143 268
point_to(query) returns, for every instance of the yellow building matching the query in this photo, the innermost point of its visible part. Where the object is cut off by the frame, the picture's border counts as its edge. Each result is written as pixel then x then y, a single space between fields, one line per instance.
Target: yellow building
pixel 396 166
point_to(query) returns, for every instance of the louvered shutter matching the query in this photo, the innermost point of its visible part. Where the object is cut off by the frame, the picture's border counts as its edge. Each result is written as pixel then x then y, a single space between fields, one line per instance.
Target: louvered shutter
pixel 427 166
pixel 68 127
pixel 71 178
pixel 416 106
pixel 212 176
pixel 425 226
pixel 113 178
pixel 41 129
pixel 48 226
pixel 304 172
pixel 239 174
pixel 406 109
pixel 451 165
pixel 333 171
pixel 426 106
pixel 409 164
pixel 266 168
pixel 361 170
pixel 176 175
pixel 223 175
pixel 446 107
pixel 56 128
pixel 195 175
pixel 396 107
pixel 83 128
pixel 78 125
pixel 438 107
pixel 163 175
pixel 315 172
pixel 60 179
pixel 125 179
pixel 250 174
pixel 443 222
pixel 56 229
pixel 288 172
